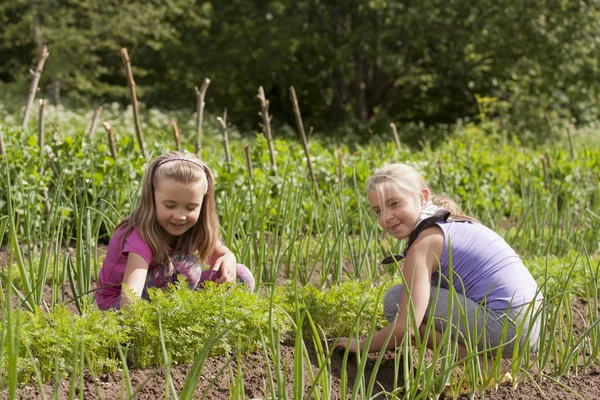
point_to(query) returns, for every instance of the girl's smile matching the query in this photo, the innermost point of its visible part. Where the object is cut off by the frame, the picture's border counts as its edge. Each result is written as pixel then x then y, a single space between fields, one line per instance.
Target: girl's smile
pixel 178 206
pixel 396 213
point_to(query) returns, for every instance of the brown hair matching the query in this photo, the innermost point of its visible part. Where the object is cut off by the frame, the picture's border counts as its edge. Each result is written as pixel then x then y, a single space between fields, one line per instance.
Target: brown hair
pixel 202 237
pixel 410 183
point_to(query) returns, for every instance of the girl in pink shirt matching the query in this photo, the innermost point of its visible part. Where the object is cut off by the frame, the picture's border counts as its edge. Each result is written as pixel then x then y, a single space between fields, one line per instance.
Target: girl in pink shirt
pixel 175 219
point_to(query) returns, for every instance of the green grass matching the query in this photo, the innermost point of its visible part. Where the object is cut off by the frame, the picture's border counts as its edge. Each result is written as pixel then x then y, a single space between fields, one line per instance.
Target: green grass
pixel 72 193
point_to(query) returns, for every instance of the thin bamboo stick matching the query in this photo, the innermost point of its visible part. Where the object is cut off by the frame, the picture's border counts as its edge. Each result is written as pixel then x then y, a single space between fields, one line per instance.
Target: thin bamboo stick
pixel 41 145
pixel 264 113
pixel 136 114
pixel 34 84
pixel 200 113
pixel 340 166
pixel 304 141
pixel 56 92
pixel 111 140
pixel 223 122
pixel 248 159
pixel 545 170
pixel 396 137
pixel 176 134
pixel 41 126
pixel 568 128
pixel 95 122
pixel 2 148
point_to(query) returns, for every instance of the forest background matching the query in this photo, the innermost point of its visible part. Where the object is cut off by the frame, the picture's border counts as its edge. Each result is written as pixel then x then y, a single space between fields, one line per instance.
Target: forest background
pixel 353 63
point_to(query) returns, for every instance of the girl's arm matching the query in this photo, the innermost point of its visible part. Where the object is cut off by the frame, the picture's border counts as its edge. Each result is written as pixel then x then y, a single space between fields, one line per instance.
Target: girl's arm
pixel 222 258
pixel 134 277
pixel 421 261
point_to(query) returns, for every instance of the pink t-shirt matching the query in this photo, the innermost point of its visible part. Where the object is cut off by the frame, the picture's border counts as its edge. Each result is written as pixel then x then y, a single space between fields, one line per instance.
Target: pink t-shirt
pixel 113 267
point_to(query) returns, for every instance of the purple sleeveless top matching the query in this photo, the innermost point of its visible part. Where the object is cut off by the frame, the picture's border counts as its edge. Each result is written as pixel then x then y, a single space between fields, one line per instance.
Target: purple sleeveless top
pixel 488 267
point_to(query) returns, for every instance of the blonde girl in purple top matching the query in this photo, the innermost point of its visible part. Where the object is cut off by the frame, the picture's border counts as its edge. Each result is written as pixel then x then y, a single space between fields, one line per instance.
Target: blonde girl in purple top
pixel 175 221
pixel 492 284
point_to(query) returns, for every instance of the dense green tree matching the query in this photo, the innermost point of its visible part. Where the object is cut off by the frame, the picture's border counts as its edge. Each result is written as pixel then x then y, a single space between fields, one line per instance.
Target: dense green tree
pixel 350 61
pixel 84 38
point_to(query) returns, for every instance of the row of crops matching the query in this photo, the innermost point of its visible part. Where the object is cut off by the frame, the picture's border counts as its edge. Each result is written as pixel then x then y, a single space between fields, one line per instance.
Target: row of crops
pixel 61 196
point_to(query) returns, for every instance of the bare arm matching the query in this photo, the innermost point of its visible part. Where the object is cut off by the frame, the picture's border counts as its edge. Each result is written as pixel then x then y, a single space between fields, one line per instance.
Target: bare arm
pixel 420 263
pixel 223 259
pixel 134 277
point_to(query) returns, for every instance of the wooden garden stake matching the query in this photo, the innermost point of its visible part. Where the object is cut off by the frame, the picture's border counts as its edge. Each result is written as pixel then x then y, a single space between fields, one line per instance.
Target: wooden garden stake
pixel 248 159
pixel 176 134
pixel 56 92
pixel 41 145
pixel 264 113
pixel 396 137
pixel 545 168
pixel 41 126
pixel 568 128
pixel 136 114
pixel 34 84
pixel 200 112
pixel 95 122
pixel 223 122
pixel 2 148
pixel 304 141
pixel 111 140
pixel 340 166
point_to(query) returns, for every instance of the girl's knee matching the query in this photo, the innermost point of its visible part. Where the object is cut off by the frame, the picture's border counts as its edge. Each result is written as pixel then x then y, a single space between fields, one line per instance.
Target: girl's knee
pixel 244 275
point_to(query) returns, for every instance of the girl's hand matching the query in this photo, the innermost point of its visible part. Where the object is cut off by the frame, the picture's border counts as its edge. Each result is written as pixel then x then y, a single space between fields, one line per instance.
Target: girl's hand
pixel 345 342
pixel 227 264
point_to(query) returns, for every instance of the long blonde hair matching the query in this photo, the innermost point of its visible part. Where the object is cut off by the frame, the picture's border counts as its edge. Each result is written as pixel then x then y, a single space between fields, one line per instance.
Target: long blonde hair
pixel 410 183
pixel 202 237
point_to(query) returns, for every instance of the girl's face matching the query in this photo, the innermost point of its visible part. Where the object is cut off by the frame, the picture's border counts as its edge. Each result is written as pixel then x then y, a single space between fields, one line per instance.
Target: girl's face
pixel 178 206
pixel 396 213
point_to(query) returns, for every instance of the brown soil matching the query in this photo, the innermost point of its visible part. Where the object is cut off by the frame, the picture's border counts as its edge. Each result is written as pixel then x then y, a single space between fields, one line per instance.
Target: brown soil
pixel 217 382
pixel 151 383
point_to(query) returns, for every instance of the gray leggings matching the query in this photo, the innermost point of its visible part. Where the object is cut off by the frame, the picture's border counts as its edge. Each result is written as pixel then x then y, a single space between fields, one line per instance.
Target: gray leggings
pixel 482 323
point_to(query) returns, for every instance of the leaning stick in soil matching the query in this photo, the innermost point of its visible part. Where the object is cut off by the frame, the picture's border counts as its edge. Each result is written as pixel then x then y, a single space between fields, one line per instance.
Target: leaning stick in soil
pixel 41 146
pixel 568 128
pixel 111 140
pixel 304 141
pixel 248 159
pixel 56 92
pixel 200 112
pixel 136 114
pixel 340 166
pixel 2 148
pixel 176 135
pixel 34 84
pixel 264 113
pixel 223 122
pixel 95 122
pixel 396 137
pixel 545 170
pixel 41 126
